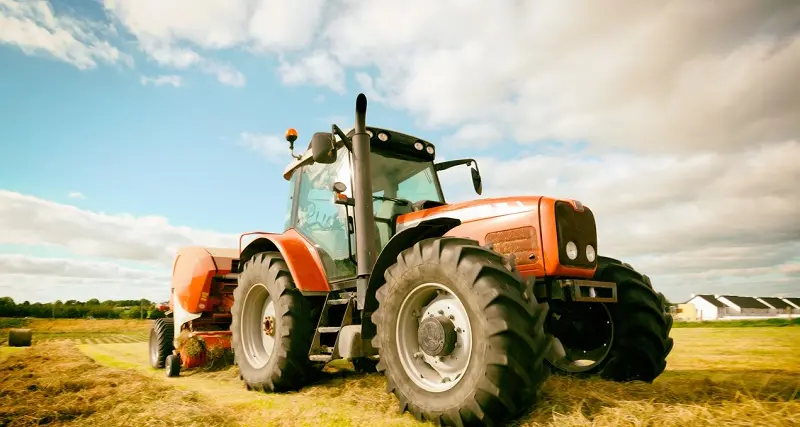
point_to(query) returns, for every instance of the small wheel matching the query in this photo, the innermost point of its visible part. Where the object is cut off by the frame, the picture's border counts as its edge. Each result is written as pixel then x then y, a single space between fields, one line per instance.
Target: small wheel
pixel 172 365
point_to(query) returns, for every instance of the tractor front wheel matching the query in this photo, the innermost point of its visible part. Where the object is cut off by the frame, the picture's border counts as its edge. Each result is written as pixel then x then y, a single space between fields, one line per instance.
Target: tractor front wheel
pixel 625 341
pixel 271 326
pixel 459 342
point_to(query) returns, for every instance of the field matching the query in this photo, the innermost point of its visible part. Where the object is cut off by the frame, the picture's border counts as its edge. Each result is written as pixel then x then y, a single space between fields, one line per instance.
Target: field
pixel 75 374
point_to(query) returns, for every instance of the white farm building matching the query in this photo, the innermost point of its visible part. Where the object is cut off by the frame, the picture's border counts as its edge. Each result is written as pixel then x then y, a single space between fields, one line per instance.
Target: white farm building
pixel 715 307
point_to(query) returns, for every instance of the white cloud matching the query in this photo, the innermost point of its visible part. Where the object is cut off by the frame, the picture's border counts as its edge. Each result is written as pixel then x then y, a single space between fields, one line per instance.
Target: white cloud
pixel 173 80
pixel 318 68
pixel 648 76
pixel 171 34
pixel 272 147
pixel 35 28
pixel 688 220
pixel 28 220
pixel 225 73
pixel 75 195
pixel 74 268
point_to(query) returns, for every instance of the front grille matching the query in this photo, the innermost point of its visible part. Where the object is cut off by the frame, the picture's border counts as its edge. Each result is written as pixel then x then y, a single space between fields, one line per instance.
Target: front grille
pixel 578 227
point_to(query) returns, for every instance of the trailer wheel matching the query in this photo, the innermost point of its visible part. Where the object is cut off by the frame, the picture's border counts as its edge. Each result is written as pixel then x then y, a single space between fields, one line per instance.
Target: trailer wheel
pixel 458 341
pixel 161 336
pixel 271 326
pixel 631 337
pixel 172 365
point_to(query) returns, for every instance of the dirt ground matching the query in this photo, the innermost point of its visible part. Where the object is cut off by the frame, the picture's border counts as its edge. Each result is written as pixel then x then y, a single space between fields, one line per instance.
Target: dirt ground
pixel 719 377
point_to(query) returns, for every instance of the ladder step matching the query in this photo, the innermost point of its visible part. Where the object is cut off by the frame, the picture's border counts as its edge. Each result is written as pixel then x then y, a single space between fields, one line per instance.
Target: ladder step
pixel 337 301
pixel 328 329
pixel 320 357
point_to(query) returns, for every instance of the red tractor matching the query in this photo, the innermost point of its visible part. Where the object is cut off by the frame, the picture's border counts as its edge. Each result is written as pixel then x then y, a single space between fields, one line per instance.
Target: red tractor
pixel 465 307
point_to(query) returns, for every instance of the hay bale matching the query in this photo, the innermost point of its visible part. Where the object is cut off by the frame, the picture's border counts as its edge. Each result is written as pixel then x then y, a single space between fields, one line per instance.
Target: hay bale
pixel 20 337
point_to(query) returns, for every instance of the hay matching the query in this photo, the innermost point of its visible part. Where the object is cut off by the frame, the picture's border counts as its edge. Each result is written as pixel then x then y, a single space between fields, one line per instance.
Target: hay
pixel 20 337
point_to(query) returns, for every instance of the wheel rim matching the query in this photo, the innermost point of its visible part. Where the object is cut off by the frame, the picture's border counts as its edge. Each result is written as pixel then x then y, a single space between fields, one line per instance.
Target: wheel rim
pixel 153 350
pixel 428 371
pixel 258 326
pixel 582 337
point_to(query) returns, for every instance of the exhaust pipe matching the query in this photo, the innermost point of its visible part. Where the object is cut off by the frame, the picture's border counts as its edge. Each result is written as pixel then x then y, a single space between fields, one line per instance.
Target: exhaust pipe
pixel 362 193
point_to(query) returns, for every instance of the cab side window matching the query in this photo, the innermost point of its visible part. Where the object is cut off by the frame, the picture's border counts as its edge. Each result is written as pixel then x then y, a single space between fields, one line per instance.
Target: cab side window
pixel 323 222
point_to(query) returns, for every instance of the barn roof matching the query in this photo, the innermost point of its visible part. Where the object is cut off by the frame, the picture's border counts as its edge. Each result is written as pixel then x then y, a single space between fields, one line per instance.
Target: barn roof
pixel 745 302
pixel 712 300
pixel 776 302
pixel 794 300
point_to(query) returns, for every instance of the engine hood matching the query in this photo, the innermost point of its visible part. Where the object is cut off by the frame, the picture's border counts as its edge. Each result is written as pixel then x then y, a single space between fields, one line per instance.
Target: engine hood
pixel 473 210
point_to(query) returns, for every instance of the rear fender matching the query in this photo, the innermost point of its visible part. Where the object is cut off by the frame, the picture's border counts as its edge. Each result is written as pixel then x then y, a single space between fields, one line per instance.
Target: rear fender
pixel 388 256
pixel 301 257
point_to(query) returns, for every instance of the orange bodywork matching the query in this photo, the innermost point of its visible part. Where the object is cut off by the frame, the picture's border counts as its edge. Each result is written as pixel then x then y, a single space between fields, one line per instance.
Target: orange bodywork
pixel 301 257
pixel 522 226
pixel 210 341
pixel 194 269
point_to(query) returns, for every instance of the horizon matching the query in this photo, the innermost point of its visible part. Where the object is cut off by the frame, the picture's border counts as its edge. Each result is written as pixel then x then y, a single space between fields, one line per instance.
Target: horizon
pixel 130 130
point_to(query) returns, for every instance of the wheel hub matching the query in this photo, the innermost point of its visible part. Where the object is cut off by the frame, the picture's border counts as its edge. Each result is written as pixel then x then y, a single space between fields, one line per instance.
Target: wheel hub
pixel 269 325
pixel 437 336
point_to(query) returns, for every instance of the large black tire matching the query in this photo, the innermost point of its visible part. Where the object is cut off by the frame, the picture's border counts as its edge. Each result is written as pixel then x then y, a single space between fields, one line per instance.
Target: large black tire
pixel 641 324
pixel 287 367
pixel 161 337
pixel 506 369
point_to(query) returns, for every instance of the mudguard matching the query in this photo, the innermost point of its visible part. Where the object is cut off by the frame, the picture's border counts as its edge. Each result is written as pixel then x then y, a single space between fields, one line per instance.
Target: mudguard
pixel 408 237
pixel 300 255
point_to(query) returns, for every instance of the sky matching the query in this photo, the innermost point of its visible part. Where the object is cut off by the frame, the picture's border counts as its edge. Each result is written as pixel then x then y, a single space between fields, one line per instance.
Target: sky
pixel 130 128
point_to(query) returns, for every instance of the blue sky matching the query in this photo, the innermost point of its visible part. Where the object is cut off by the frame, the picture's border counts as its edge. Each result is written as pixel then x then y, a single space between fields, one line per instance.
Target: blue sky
pixel 130 128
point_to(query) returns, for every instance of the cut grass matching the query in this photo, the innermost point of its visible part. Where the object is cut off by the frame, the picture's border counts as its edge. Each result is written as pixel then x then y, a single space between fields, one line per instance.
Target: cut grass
pixel 758 323
pixel 55 384
pixel 79 330
pixel 719 376
pixel 736 377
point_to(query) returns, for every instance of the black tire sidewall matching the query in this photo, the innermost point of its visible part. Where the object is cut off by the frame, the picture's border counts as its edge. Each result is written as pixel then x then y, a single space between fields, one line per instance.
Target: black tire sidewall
pixel 257 275
pixel 396 293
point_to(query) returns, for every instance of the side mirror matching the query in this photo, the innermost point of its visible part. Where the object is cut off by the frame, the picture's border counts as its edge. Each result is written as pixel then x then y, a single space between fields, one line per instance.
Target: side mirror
pixel 476 181
pixel 322 148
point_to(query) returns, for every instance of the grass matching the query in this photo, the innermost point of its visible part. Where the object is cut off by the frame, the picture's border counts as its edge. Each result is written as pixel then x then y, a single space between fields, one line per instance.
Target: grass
pixel 759 323
pixel 715 376
pixel 79 331
pixel 55 384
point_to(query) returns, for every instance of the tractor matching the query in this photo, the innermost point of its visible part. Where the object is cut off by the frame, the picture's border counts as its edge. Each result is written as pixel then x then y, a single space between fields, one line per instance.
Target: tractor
pixel 466 308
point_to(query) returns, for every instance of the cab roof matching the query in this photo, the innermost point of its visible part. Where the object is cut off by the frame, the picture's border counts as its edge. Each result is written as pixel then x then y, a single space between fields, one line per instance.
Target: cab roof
pixel 307 157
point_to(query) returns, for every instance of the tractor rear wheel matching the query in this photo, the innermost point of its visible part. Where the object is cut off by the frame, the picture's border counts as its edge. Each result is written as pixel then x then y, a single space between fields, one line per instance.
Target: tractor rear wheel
pixel 459 342
pixel 160 345
pixel 271 326
pixel 625 341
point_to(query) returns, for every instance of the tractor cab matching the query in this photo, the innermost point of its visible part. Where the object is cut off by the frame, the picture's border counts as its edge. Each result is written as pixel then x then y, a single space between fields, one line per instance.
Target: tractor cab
pixel 403 178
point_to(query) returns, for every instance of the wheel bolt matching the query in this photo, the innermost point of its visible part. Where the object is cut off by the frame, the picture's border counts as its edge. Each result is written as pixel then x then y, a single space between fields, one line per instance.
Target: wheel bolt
pixel 441 312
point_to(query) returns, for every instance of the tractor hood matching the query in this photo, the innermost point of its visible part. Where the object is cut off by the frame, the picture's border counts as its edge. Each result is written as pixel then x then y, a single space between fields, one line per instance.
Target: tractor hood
pixel 473 210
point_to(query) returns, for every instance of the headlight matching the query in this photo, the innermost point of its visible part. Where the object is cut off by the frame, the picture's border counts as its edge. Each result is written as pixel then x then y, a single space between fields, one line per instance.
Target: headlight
pixel 590 254
pixel 572 250
pixel 418 145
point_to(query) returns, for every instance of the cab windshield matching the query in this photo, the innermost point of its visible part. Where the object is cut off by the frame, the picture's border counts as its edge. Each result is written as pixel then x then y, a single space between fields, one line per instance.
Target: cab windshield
pixel 403 179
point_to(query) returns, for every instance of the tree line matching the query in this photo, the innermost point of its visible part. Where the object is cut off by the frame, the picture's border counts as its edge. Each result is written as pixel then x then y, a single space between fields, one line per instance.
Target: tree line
pixel 73 309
